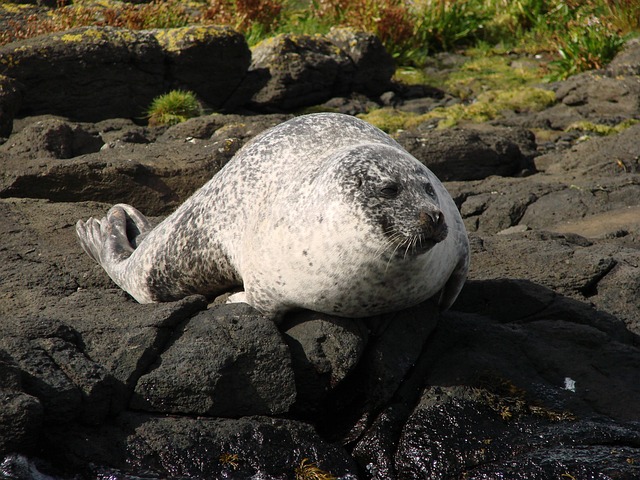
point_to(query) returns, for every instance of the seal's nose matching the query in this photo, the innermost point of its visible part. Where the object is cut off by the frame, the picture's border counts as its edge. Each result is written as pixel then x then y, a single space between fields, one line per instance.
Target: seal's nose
pixel 434 218
pixel 433 222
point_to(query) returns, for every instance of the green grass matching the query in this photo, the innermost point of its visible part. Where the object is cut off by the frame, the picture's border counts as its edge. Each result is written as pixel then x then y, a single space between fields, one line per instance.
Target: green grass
pixel 173 107
pixel 581 34
pixel 575 34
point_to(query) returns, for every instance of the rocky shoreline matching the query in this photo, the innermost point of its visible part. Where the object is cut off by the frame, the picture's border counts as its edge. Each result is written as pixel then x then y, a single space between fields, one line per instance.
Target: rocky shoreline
pixel 532 374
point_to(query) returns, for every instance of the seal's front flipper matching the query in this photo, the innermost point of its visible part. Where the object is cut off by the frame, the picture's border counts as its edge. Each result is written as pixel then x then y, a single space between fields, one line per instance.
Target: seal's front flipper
pixel 238 297
pixel 454 285
pixel 113 238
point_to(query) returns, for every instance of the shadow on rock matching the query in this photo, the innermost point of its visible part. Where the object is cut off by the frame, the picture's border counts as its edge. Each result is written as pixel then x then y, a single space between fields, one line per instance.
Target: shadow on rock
pixel 516 374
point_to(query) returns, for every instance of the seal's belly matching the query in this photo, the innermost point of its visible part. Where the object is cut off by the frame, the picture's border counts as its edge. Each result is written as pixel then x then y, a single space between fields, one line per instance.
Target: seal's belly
pixel 355 285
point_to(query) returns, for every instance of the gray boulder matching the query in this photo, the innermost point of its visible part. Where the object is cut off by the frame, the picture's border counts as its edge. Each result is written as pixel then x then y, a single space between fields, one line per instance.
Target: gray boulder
pixel 209 60
pixel 11 95
pixel 613 156
pixel 88 73
pixel 226 362
pixel 601 98
pixel 155 177
pixel 587 97
pixel 464 154
pixel 52 138
pixel 94 73
pixel 627 62
pixel 374 66
pixel 293 71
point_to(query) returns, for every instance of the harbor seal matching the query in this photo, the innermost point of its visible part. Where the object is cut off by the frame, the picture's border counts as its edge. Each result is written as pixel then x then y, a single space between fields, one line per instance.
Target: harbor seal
pixel 323 212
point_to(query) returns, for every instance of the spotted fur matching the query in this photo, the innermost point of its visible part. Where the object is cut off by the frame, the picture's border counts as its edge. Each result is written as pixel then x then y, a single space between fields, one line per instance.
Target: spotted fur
pixel 323 212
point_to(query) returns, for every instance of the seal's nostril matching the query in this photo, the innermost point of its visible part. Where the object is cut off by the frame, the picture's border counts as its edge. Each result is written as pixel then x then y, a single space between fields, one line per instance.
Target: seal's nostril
pixel 436 218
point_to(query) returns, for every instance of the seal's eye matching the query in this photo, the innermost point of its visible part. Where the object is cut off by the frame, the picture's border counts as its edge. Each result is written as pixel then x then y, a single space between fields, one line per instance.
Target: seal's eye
pixel 390 190
pixel 428 188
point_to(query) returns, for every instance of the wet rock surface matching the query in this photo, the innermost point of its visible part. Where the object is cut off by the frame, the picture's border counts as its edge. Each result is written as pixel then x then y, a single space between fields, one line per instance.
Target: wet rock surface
pixel 532 374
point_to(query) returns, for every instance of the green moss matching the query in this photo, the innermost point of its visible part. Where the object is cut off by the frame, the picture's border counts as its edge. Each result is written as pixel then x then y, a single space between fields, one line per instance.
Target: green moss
pixel 600 129
pixel 16 7
pixel 490 73
pixel 389 120
pixel 524 99
pixel 72 37
pixel 94 35
pixel 174 39
pixel 174 107
pixel 487 106
pixel 413 76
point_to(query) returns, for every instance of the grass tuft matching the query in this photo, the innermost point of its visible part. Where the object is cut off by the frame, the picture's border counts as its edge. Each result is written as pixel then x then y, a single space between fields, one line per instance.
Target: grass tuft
pixel 174 107
pixel 309 471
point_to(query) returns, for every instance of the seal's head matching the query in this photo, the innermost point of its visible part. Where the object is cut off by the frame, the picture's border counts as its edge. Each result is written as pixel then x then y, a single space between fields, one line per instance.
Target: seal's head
pixel 396 194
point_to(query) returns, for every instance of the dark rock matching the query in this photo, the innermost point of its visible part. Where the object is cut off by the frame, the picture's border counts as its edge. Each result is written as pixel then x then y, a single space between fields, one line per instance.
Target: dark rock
pixel 88 73
pixel 324 351
pixel 458 154
pixel 374 66
pixel 118 72
pixel 418 106
pixel 209 60
pixel 68 384
pixel 300 70
pixel 219 127
pixel 124 338
pixel 11 95
pixel 52 138
pixel 588 96
pixel 354 104
pixel 551 210
pixel 532 373
pixel 226 362
pixel 568 264
pixel 179 447
pixel 556 117
pixel 395 344
pixel 436 442
pixel 20 413
pixel 120 130
pixel 614 155
pixel 18 466
pixel 601 98
pixel 155 177
pixel 504 381
pixel 116 333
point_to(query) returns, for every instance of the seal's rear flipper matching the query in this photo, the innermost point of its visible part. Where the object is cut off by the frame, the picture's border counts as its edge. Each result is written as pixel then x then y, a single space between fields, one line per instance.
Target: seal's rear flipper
pixel 137 224
pixel 114 237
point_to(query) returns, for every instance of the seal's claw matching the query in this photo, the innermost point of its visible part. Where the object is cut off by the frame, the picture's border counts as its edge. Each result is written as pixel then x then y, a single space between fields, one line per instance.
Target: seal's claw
pixel 89 234
pixel 137 225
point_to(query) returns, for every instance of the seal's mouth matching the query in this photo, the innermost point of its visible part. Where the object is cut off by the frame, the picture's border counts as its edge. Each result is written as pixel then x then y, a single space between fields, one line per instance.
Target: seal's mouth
pixel 415 246
pixel 430 229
